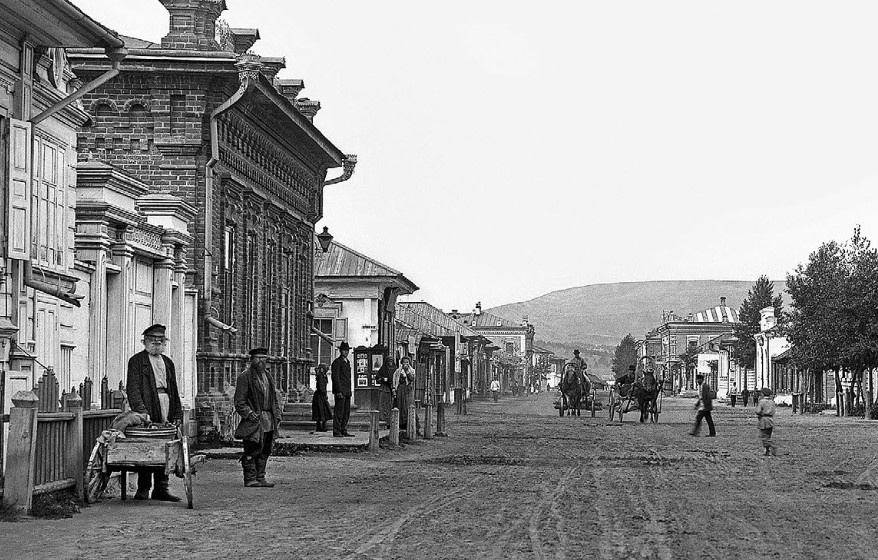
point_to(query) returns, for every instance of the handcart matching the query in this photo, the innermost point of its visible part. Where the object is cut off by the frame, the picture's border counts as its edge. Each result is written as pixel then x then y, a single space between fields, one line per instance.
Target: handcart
pixel 141 448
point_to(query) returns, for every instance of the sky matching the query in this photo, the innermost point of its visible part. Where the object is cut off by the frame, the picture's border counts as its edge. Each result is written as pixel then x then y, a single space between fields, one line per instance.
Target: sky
pixel 508 149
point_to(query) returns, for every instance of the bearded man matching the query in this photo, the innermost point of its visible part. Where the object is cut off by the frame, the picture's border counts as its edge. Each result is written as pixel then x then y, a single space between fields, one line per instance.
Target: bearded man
pixel 152 389
pixel 256 404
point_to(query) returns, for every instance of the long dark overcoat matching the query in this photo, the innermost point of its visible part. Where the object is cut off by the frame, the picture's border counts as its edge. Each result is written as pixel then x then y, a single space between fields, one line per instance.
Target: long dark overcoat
pixel 142 394
pixel 341 377
pixel 249 397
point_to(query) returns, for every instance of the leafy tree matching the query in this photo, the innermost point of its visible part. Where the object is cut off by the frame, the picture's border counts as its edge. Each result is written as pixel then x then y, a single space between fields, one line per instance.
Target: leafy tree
pixel 624 356
pixel 759 297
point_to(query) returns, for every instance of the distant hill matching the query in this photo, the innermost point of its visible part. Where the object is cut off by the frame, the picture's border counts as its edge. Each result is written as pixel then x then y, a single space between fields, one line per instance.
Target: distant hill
pixel 601 314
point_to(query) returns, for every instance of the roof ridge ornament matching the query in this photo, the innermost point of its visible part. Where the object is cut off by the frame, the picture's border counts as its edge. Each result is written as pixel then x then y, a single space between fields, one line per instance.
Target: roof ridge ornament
pixel 249 67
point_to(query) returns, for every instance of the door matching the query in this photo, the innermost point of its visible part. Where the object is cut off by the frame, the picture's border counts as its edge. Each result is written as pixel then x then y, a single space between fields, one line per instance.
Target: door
pixel 141 301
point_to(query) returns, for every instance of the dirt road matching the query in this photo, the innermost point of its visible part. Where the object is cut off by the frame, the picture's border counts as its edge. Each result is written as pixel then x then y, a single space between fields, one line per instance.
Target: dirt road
pixel 514 480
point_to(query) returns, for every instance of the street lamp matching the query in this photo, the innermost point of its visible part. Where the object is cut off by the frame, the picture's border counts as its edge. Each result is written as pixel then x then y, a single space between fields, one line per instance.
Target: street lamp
pixel 324 239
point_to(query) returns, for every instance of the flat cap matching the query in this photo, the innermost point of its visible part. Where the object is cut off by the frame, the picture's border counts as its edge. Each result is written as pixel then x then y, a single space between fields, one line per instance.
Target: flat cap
pixel 155 330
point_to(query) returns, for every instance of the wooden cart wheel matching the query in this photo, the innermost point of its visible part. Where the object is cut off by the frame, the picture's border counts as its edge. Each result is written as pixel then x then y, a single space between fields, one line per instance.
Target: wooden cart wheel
pixel 96 479
pixel 610 404
pixel 561 406
pixel 187 472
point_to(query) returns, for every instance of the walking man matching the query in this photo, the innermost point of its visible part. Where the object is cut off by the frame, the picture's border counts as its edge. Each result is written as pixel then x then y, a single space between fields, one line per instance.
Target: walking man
pixel 342 389
pixel 733 393
pixel 765 412
pixel 152 389
pixel 495 389
pixel 256 404
pixel 704 407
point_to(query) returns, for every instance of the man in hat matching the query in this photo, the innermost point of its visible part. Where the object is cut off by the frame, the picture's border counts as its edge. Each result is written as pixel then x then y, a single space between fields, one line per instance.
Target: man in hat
pixel 342 389
pixel 256 404
pixel 704 406
pixel 152 389
pixel 578 363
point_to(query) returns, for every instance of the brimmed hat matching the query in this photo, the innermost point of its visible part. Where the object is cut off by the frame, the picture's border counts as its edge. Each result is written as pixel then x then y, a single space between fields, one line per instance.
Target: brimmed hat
pixel 344 346
pixel 766 391
pixel 258 352
pixel 155 330
pixel 699 376
pixel 632 368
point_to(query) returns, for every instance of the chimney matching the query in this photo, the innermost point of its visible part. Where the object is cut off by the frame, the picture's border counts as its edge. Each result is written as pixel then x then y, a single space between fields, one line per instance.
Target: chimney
pixel 478 310
pixel 454 311
pixel 272 65
pixel 290 88
pixel 722 301
pixel 193 24
pixel 767 320
pixel 308 108
pixel 241 39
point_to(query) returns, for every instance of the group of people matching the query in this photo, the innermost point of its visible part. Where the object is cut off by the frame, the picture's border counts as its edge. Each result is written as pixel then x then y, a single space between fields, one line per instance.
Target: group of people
pixel 396 385
pixel 745 393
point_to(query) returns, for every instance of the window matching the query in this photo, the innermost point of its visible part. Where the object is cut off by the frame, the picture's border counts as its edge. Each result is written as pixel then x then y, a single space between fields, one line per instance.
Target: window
pixel 49 204
pixel 321 348
pixel 229 265
pixel 510 347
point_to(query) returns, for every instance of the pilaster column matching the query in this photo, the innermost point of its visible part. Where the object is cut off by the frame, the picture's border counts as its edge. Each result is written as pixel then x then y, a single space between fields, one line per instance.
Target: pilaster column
pixel 121 341
pixel 163 273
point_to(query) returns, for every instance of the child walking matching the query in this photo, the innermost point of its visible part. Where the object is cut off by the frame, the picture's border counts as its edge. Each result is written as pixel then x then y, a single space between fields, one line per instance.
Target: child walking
pixel 765 412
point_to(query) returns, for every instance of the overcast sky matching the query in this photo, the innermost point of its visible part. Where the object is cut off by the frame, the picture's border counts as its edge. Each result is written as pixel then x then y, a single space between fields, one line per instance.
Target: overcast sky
pixel 508 149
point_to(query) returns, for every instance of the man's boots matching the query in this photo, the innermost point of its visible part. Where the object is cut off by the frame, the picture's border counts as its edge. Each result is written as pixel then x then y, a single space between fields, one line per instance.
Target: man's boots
pixel 144 484
pixel 248 464
pixel 160 492
pixel 261 462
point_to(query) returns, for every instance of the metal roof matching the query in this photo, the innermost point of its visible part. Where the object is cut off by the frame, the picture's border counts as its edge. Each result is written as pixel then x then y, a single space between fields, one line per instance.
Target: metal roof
pixel 340 261
pixel 430 320
pixel 485 320
pixel 718 314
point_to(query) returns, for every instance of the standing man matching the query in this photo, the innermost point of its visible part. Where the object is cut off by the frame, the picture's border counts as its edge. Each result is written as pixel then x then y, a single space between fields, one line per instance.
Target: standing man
pixel 495 389
pixel 745 394
pixel 342 389
pixel 578 362
pixel 733 393
pixel 256 404
pixel 704 407
pixel 152 389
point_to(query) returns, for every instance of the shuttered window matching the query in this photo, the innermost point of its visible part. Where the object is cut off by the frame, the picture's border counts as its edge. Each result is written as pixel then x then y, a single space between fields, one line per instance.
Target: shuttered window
pixel 49 204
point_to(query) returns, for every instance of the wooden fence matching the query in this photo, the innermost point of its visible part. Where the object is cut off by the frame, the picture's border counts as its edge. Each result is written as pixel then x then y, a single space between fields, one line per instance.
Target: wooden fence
pixel 50 439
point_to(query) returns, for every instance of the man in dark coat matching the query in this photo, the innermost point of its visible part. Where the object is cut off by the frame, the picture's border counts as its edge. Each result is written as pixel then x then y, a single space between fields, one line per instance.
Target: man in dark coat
pixel 152 389
pixel 256 404
pixel 704 406
pixel 342 389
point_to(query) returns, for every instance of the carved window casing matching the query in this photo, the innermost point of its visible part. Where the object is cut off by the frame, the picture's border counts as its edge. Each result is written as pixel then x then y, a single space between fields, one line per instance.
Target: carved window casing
pixel 49 215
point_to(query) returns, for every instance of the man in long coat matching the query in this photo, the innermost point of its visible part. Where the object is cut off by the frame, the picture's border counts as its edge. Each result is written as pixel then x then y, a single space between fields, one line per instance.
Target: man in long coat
pixel 256 404
pixel 152 389
pixel 342 388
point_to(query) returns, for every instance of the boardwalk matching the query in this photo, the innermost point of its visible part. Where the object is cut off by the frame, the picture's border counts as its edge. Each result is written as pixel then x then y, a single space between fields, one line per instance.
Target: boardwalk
pixel 514 480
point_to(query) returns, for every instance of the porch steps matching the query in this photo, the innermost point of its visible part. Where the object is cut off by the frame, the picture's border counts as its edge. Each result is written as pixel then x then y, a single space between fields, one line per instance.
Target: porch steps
pixel 296 417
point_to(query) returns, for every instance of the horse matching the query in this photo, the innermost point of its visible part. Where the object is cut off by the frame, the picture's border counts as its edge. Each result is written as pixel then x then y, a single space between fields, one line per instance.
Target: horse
pixel 574 386
pixel 646 392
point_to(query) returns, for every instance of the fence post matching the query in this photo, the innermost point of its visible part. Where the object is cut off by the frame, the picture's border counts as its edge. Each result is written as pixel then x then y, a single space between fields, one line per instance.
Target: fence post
pixel 412 424
pixel 868 400
pixel 394 426
pixel 105 393
pixel 440 419
pixel 373 431
pixel 18 487
pixel 73 459
pixel 428 421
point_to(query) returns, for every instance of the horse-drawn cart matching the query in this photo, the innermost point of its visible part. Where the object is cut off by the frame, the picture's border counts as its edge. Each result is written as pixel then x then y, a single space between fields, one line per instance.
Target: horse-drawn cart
pixel 166 449
pixel 628 397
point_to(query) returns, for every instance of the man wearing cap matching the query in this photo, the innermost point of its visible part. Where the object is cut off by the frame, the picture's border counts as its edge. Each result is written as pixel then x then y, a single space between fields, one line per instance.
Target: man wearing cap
pixel 256 404
pixel 342 389
pixel 152 389
pixel 578 363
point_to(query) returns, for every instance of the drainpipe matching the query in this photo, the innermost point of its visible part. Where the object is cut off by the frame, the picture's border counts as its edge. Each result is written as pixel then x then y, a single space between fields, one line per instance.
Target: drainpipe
pixel 45 287
pixel 116 56
pixel 348 164
pixel 208 208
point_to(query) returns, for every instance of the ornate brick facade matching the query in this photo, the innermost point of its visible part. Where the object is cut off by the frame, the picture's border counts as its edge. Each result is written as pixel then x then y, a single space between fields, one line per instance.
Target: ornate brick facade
pixel 209 127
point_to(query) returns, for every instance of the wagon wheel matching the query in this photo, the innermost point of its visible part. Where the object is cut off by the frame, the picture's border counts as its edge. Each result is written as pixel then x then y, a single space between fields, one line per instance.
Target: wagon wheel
pixel 187 471
pixel 561 406
pixel 96 478
pixel 657 407
pixel 610 404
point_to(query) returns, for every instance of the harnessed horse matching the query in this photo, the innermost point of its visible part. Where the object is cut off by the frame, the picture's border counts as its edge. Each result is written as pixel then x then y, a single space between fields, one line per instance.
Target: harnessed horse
pixel 574 386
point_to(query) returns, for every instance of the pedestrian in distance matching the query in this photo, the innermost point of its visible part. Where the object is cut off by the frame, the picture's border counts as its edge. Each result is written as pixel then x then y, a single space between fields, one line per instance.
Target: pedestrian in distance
pixel 320 411
pixel 342 389
pixel 384 379
pixel 257 405
pixel 495 389
pixel 733 394
pixel 765 413
pixel 152 390
pixel 756 394
pixel 745 394
pixel 704 406
pixel 403 385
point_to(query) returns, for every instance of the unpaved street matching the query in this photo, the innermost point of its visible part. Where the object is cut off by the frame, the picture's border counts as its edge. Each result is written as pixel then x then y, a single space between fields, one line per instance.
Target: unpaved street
pixel 514 480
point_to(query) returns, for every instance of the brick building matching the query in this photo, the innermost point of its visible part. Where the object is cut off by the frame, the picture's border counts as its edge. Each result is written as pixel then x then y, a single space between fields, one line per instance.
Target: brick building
pixel 211 125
